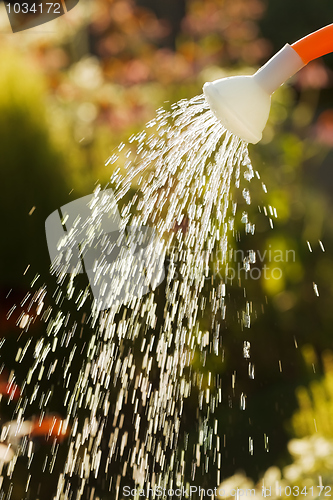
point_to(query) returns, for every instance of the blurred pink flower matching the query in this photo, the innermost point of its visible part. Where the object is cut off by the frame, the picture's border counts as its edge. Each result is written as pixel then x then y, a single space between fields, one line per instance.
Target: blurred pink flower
pixel 314 75
pixel 170 67
pixel 324 127
pixel 135 71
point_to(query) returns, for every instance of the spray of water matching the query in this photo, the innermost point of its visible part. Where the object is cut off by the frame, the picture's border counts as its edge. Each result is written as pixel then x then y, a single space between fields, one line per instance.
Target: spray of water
pixel 149 340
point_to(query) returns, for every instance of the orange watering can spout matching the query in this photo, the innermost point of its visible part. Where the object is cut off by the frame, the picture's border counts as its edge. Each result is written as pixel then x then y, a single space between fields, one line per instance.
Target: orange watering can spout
pixel 242 103
pixel 315 45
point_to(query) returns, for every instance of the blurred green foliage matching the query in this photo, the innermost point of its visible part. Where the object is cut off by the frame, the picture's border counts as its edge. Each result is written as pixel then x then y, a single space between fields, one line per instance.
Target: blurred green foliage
pixel 315 402
pixel 32 176
pixel 311 454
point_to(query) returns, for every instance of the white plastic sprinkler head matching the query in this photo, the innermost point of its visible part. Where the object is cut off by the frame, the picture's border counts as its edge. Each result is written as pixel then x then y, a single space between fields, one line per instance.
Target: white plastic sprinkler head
pixel 242 103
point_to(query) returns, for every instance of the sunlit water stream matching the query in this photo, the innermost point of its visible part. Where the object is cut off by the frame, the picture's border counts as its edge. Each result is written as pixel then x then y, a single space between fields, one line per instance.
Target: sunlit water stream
pixel 156 314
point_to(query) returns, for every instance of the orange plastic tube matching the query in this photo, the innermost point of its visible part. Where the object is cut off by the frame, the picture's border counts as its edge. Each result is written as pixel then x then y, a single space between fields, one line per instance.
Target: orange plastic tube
pixel 315 45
